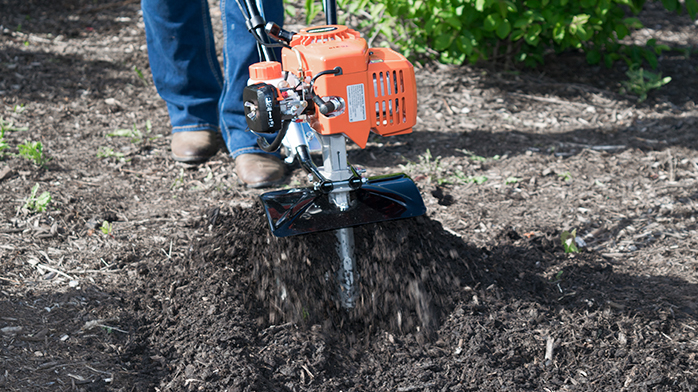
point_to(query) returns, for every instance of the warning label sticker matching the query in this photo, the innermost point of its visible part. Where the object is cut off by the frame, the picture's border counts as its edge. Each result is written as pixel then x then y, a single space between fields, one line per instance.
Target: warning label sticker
pixel 356 102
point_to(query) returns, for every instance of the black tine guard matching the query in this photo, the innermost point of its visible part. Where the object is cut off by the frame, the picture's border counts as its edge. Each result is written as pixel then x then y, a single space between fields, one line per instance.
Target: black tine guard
pixel 305 210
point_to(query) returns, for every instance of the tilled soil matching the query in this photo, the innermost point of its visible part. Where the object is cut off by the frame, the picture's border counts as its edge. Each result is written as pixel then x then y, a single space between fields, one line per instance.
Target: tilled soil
pixel 185 288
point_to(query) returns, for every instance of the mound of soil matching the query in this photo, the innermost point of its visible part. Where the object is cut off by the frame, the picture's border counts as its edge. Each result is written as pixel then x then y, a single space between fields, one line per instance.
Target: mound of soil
pixel 147 275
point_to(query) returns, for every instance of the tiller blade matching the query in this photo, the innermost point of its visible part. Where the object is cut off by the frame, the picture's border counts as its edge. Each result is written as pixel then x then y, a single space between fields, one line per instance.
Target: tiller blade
pixel 305 210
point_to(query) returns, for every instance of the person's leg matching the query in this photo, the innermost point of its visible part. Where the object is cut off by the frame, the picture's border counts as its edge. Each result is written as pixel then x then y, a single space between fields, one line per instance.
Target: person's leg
pixel 253 166
pixel 239 52
pixel 186 73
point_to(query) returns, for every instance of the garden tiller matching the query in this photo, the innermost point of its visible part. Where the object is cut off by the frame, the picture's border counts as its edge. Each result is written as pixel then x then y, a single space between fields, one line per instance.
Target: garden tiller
pixel 328 87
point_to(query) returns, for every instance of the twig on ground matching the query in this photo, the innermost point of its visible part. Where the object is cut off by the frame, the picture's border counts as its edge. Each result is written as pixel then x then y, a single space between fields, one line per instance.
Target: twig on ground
pixel 86 183
pixel 59 272
pixel 93 271
pixel 10 280
pixel 308 370
pixel 452 232
pixel 144 221
pixel 97 371
pixel 549 345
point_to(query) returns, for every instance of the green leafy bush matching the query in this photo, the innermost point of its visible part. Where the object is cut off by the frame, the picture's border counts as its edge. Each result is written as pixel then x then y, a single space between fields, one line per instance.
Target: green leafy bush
pixel 503 31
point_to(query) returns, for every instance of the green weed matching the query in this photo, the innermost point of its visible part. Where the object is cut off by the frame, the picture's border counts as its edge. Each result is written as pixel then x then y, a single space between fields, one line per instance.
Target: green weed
pixel 289 10
pixel 566 176
pixel 3 143
pixel 512 180
pixel 34 151
pixel 477 158
pixel 426 165
pixel 641 81
pixel 135 134
pixel 179 181
pixel 9 126
pixel 312 8
pixel 108 152
pixel 140 76
pixel 106 228
pixel 37 204
pixel 568 241
pixel 431 167
pixel 476 180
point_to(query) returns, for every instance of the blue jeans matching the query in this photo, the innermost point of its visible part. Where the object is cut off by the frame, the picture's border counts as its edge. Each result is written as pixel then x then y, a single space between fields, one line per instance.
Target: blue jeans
pixel 186 71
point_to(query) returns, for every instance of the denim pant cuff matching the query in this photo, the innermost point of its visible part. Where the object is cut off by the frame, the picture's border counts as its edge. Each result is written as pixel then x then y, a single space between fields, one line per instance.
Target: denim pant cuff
pixel 195 127
pixel 252 150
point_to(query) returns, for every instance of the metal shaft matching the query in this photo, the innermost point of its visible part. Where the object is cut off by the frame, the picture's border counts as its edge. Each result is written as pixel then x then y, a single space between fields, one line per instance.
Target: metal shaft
pixel 335 168
pixel 330 11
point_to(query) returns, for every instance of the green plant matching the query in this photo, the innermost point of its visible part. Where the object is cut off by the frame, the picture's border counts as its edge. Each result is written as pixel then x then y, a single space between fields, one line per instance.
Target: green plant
pixel 431 168
pixel 9 126
pixel 558 277
pixel 426 165
pixel 641 81
pixel 289 9
pixel 140 75
pixel 566 176
pixel 134 133
pixel 473 157
pixel 18 108
pixel 504 31
pixel 568 241
pixel 108 152
pixel 460 178
pixel 511 180
pixel 475 180
pixel 179 181
pixel 37 204
pixel 312 8
pixel 3 143
pixel 34 151
pixel 106 228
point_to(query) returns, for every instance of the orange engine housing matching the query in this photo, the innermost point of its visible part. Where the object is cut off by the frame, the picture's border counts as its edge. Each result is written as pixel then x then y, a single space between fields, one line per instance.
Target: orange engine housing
pixel 377 85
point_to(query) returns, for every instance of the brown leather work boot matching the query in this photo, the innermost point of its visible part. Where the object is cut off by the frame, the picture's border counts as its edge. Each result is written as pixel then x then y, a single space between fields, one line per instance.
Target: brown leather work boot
pixel 194 146
pixel 259 170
